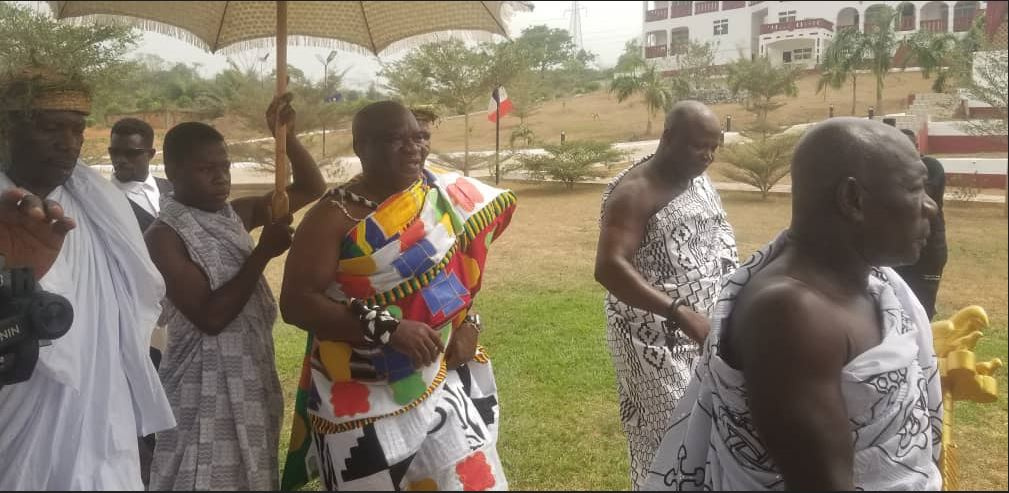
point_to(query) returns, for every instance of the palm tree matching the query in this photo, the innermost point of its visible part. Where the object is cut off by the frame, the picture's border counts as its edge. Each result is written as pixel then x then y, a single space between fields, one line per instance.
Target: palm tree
pixel 843 57
pixel 879 42
pixel 932 52
pixel 949 57
pixel 648 82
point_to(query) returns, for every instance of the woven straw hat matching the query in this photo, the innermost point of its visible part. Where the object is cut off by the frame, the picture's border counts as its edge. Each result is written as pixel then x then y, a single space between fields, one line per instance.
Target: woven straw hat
pixel 40 87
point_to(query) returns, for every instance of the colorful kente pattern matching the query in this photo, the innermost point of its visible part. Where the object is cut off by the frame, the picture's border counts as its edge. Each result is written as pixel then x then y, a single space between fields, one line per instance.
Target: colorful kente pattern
pixel 420 254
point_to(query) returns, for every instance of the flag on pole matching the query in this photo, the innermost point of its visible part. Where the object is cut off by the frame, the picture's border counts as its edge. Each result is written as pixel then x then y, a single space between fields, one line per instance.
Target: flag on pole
pixel 494 111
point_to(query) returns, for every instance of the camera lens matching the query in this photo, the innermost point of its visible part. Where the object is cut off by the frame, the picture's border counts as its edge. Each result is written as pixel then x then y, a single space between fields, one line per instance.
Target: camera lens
pixel 51 315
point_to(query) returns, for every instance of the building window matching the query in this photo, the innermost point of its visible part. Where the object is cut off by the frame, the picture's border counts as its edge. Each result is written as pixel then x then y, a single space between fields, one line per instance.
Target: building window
pixel 802 54
pixel 721 27
pixel 788 16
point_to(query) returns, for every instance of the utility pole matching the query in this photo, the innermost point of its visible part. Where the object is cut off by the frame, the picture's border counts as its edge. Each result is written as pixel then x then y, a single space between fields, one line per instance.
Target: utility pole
pixel 575 24
pixel 325 92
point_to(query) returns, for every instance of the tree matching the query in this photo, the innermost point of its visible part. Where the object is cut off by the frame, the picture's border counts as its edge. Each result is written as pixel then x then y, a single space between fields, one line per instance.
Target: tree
pixel 842 58
pixel 449 74
pixel 88 49
pixel 990 85
pixel 631 59
pixel 96 52
pixel 761 82
pixel 879 42
pixel 693 79
pixel 524 88
pixel 525 94
pixel 570 162
pixel 648 83
pixel 932 52
pixel 946 56
pixel 545 48
pixel 761 160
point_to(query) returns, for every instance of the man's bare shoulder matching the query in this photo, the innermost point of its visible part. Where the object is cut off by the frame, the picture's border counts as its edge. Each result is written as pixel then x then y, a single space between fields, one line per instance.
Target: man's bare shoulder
pixel 159 235
pixel 325 219
pixel 165 245
pixel 781 314
pixel 634 193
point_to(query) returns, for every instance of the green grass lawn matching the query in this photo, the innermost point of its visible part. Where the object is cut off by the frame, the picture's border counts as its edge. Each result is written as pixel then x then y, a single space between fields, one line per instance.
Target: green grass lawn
pixel 544 321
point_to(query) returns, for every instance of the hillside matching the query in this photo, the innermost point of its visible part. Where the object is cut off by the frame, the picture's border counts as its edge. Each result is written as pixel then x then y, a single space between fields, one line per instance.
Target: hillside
pixel 616 122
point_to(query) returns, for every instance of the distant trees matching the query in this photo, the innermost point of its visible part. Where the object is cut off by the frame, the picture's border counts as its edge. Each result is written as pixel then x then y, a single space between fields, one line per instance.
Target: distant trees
pixel 694 77
pixel 761 82
pixel 450 75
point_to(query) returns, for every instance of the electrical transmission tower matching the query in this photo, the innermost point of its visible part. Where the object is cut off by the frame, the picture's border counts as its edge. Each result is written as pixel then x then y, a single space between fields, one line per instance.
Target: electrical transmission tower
pixel 575 24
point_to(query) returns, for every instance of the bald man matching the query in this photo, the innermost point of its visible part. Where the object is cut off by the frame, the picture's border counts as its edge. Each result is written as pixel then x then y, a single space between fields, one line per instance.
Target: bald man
pixel 819 372
pixel 664 246
pixel 382 274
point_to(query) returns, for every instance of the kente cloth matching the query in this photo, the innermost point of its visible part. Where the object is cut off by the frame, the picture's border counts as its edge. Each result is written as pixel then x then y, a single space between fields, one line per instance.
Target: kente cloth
pixel 364 417
pixel 74 424
pixel 891 392
pixel 224 389
pixel 687 250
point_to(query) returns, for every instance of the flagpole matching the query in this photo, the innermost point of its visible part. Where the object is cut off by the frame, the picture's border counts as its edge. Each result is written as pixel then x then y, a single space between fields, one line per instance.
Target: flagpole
pixel 497 138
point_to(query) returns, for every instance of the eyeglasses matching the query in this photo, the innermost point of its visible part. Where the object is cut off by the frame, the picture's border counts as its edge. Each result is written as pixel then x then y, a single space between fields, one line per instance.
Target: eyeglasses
pixel 127 152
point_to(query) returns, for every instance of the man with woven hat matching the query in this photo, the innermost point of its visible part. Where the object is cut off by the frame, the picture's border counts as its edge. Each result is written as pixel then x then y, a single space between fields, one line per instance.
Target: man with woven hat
pixel 74 424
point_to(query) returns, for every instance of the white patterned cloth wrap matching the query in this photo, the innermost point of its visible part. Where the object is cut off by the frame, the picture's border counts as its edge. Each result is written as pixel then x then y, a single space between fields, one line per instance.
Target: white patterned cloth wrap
pixel 74 424
pixel 687 249
pixel 891 392
pixel 224 389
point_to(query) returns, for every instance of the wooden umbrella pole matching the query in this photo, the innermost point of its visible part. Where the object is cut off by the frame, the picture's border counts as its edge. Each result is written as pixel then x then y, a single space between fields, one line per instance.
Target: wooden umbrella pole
pixel 280 201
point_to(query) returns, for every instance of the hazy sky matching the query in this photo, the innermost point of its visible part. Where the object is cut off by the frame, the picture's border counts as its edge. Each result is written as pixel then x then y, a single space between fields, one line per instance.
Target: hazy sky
pixel 605 28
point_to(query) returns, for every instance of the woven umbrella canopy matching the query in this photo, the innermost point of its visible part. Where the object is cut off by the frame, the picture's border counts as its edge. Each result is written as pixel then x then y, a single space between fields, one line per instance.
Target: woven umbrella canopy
pixel 366 27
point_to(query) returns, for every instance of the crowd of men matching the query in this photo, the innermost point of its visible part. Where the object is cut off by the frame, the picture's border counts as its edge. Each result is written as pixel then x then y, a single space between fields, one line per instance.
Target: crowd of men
pixel 808 366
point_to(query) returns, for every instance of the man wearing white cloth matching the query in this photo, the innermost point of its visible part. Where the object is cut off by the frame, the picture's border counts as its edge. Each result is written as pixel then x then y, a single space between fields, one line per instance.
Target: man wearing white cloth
pixel 665 245
pixel 74 424
pixel 819 371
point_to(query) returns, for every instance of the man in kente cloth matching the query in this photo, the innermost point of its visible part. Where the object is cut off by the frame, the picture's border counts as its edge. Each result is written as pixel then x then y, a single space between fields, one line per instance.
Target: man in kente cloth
pixel 819 372
pixel 219 368
pixel 395 393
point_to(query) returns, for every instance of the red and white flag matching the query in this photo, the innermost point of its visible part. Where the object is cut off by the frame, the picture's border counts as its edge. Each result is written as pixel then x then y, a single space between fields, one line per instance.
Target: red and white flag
pixel 494 111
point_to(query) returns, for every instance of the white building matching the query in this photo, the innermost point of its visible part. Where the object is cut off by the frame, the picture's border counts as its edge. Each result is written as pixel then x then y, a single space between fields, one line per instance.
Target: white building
pixel 787 32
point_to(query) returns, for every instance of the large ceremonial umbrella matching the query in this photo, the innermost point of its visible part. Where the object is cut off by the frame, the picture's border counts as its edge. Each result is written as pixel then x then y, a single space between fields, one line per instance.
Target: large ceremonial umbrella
pixel 369 27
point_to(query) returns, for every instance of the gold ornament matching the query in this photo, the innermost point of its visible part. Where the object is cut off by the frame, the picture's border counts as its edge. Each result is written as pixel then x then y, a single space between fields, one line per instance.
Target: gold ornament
pixel 963 378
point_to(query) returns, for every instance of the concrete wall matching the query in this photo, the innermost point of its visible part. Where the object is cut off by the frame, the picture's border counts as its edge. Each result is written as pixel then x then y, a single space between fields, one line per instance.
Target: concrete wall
pixel 965 144
pixel 980 172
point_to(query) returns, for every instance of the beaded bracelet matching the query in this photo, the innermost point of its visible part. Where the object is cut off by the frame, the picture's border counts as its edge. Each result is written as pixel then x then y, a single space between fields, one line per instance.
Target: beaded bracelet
pixel 377 324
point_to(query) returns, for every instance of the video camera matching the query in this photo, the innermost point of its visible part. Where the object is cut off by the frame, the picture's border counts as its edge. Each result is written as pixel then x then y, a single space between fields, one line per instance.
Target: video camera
pixel 29 318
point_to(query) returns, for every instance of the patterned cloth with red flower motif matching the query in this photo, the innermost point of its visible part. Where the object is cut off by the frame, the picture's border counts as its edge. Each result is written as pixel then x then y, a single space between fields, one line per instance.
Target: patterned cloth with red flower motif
pixel 364 417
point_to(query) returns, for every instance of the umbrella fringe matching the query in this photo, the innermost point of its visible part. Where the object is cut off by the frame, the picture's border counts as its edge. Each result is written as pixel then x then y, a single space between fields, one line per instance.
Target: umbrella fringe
pixel 332 43
pixel 142 24
pixel 505 11
pixel 293 40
